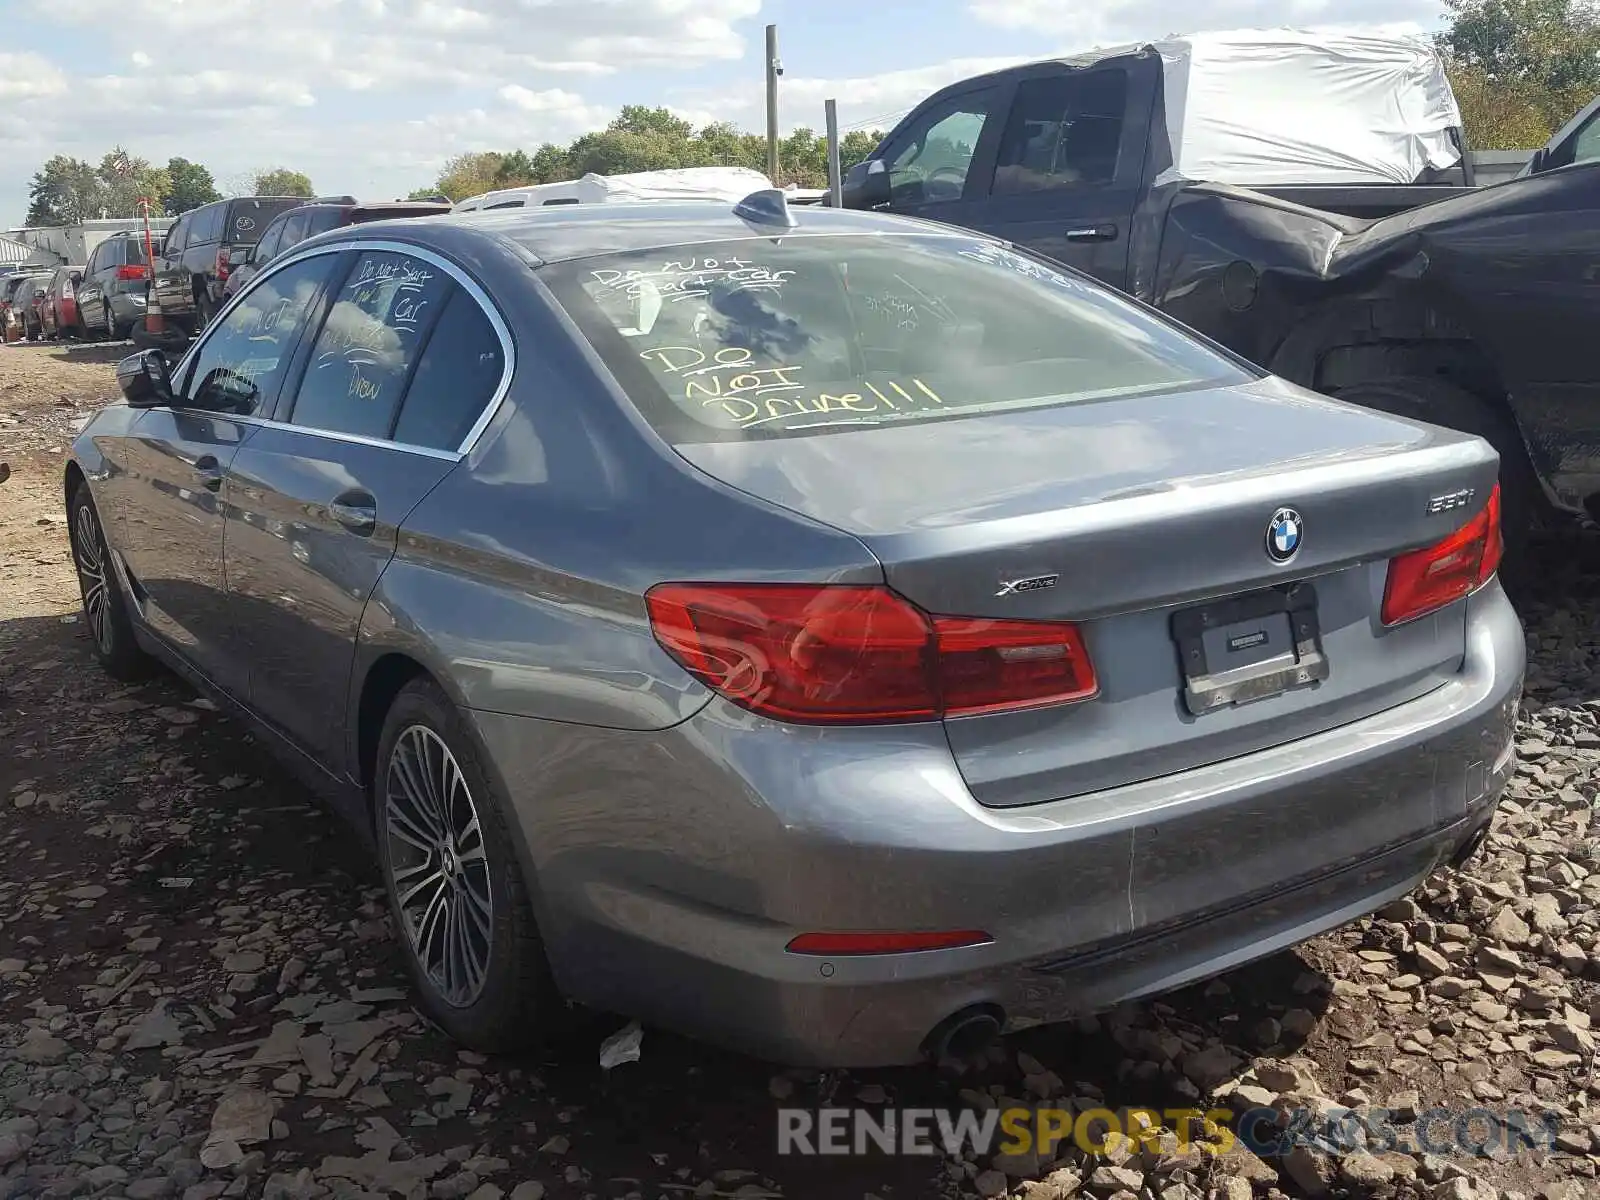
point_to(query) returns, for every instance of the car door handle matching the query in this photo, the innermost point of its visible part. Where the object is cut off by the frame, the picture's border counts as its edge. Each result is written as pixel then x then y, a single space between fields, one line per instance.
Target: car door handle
pixel 209 471
pixel 356 511
pixel 1093 233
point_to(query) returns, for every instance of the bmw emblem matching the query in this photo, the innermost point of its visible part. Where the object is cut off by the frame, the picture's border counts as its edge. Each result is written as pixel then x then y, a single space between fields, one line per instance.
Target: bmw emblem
pixel 1284 532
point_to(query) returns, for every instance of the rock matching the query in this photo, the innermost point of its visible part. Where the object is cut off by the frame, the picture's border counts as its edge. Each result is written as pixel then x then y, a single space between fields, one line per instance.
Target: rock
pixel 990 1184
pixel 1508 929
pixel 1313 1172
pixel 1299 1023
pixel 12 1147
pixel 1231 1187
pixel 1109 1180
pixel 1209 1067
pixel 1430 963
pixel 42 1049
pixel 528 1189
pixel 156 1188
pixel 559 1144
pixel 1365 1171
pixel 242 1117
pixel 158 1027
pixel 1017 1166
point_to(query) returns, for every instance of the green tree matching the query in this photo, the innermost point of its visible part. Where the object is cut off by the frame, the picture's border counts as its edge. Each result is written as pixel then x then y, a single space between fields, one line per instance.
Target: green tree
pixel 468 175
pixel 192 186
pixel 65 191
pixel 128 180
pixel 1521 68
pixel 515 170
pixel 638 118
pixel 280 181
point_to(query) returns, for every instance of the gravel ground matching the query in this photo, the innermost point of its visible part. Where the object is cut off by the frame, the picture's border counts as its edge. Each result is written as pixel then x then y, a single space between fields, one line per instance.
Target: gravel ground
pixel 199 996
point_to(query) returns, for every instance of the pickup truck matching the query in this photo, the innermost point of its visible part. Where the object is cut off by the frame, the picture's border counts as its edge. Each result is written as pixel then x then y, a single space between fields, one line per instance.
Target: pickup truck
pixel 1473 312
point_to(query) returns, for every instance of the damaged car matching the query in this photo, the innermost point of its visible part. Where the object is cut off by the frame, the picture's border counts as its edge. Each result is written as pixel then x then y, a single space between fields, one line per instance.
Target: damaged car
pixel 888 637
pixel 1204 176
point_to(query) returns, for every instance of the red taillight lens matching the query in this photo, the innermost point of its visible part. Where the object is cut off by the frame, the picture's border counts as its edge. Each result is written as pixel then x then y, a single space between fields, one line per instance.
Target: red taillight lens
pixel 1425 580
pixel 853 655
pixel 222 266
pixel 132 272
pixel 839 945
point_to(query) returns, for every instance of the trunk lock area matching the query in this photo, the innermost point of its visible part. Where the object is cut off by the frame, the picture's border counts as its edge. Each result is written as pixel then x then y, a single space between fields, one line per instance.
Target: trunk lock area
pixel 1249 647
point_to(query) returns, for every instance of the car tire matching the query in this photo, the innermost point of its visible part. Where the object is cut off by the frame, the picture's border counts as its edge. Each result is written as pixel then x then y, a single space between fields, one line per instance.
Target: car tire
pixel 1440 402
pixel 105 610
pixel 456 890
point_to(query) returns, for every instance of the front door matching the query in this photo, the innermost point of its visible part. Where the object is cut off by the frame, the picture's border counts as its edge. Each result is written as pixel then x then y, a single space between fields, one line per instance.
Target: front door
pixel 1069 167
pixel 370 430
pixel 169 503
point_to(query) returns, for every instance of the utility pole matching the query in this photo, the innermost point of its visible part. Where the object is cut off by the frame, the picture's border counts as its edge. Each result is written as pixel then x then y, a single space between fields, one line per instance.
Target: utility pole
pixel 835 181
pixel 774 69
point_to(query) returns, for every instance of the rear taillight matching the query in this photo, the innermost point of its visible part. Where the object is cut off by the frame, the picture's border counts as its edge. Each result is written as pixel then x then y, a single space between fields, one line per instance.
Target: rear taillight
pixel 132 272
pixel 828 654
pixel 222 266
pixel 1426 580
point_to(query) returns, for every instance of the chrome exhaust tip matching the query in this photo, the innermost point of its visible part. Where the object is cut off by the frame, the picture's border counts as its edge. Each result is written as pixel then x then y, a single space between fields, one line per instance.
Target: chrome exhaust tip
pixel 965 1033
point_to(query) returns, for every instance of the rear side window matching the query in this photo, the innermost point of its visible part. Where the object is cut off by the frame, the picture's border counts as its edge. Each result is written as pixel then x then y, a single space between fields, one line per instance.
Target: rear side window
pixel 206 226
pixel 323 219
pixel 456 377
pixel 1064 131
pixel 507 204
pixel 368 344
pixel 178 235
pixel 750 339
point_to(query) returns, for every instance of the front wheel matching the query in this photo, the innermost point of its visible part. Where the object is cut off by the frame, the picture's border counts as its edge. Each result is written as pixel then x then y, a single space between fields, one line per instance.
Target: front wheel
pixel 105 611
pixel 456 890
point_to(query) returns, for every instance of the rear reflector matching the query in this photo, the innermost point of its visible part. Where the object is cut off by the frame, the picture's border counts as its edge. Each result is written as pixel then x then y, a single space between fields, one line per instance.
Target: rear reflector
pixel 834 654
pixel 1426 580
pixel 839 945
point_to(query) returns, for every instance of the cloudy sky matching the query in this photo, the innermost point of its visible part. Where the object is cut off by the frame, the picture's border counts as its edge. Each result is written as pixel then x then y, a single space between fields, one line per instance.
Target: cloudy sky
pixel 370 96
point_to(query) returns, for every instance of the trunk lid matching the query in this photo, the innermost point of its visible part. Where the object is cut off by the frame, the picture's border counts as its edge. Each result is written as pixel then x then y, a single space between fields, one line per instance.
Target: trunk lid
pixel 1143 518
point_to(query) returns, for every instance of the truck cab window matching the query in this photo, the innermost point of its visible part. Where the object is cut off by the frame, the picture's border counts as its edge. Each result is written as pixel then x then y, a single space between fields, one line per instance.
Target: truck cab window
pixel 1064 132
pixel 931 163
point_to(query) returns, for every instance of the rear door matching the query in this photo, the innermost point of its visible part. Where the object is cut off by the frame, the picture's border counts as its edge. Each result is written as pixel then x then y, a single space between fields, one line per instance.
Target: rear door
pixel 1069 165
pixel 170 284
pixel 383 401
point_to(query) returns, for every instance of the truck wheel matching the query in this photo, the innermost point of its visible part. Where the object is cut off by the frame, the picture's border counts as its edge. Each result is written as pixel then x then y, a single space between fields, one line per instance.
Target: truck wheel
pixel 1440 402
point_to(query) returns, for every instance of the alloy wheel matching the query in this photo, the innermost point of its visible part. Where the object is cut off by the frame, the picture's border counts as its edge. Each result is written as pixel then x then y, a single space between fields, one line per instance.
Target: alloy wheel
pixel 438 866
pixel 89 557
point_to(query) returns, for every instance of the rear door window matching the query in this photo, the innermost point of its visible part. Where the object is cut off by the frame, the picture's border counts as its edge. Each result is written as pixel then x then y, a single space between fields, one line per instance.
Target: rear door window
pixel 1064 131
pixel 364 354
pixel 178 236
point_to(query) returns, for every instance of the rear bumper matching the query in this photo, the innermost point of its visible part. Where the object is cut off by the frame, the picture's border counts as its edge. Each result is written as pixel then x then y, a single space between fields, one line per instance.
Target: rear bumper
pixel 670 870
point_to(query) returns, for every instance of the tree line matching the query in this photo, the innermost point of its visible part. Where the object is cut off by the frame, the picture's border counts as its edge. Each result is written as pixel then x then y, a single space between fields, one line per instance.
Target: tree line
pixel 642 138
pixel 68 190
pixel 1519 68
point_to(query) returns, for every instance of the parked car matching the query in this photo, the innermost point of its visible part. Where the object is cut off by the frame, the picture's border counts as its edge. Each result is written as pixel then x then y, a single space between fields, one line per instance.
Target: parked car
pixel 30 302
pixel 111 294
pixel 885 636
pixel 289 229
pixel 9 313
pixel 1464 312
pixel 60 311
pixel 201 250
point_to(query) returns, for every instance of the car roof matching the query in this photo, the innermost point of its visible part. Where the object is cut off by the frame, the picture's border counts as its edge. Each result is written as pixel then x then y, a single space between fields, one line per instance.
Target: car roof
pixel 572 231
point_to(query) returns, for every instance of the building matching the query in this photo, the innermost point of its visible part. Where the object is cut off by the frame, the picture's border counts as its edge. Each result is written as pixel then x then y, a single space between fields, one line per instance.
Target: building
pixel 59 244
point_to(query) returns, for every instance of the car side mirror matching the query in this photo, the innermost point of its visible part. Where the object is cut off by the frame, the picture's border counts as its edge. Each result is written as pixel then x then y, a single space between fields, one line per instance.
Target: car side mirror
pixel 1541 156
pixel 145 380
pixel 866 185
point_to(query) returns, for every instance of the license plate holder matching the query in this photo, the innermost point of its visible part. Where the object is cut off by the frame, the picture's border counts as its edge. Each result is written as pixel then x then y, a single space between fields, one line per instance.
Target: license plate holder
pixel 1249 647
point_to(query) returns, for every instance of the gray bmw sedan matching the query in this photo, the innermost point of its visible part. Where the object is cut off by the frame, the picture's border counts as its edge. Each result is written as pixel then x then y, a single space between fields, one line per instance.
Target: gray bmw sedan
pixel 834 635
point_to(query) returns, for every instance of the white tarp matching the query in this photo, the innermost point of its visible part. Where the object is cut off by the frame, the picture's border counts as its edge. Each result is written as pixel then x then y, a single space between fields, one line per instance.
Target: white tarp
pixel 730 184
pixel 1264 107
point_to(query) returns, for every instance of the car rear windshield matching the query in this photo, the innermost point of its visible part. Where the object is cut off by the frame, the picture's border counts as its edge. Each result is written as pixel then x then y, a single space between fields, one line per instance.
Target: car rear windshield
pixel 766 338
pixel 246 220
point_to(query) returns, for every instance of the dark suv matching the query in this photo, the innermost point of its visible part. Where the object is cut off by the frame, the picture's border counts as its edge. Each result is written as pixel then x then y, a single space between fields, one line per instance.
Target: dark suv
pixel 295 226
pixel 201 250
pixel 111 294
